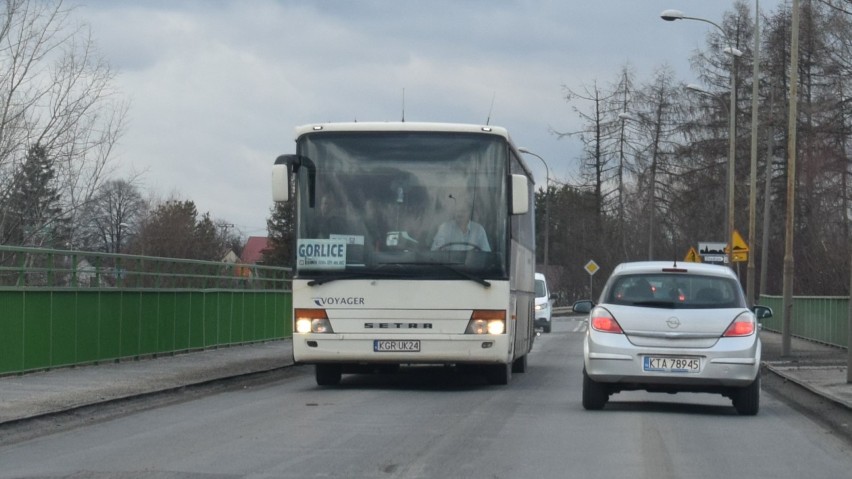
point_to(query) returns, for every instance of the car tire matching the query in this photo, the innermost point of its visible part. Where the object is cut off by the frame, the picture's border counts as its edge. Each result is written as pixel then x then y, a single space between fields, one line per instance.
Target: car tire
pixel 498 374
pixel 747 399
pixel 328 374
pixel 595 394
pixel 547 329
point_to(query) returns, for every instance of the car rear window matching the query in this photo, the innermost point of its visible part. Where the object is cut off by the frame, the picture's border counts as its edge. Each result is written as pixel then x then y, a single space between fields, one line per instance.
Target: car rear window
pixel 675 291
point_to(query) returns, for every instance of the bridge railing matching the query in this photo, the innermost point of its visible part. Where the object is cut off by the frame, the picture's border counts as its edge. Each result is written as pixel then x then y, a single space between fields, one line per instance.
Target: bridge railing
pixel 823 319
pixel 63 307
pixel 819 318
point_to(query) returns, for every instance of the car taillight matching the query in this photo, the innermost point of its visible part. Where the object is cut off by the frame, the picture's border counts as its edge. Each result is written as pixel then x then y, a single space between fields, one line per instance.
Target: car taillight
pixel 743 325
pixel 601 320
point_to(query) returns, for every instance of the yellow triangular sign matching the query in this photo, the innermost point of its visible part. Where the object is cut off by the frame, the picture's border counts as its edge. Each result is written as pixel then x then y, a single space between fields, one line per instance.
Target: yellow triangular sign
pixel 692 256
pixel 740 246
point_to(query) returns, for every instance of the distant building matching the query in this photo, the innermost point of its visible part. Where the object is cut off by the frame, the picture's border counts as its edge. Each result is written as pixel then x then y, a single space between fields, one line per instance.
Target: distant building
pixel 230 257
pixel 254 249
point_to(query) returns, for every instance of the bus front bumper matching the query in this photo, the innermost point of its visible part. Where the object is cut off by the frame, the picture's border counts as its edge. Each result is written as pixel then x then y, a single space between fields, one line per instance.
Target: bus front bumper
pixel 433 349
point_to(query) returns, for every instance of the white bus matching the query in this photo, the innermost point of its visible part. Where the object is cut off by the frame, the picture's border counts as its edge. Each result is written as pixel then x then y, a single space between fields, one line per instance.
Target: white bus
pixel 414 245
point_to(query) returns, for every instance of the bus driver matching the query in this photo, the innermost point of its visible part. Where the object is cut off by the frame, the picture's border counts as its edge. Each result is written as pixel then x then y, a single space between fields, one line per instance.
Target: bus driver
pixel 461 233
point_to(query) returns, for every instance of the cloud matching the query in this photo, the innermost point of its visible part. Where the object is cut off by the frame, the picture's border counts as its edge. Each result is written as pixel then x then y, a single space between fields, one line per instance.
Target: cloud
pixel 217 87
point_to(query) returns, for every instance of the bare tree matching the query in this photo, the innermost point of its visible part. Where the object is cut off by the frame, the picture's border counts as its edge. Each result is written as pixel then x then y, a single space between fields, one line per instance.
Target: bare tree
pixel 108 218
pixel 56 92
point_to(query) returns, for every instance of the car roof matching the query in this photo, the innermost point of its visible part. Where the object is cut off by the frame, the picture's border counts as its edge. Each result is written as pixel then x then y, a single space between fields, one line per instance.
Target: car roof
pixel 640 267
pixel 539 276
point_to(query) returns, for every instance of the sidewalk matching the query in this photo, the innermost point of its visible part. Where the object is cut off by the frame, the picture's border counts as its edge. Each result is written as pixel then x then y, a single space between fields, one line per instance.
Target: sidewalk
pixel 65 389
pixel 820 368
pixel 814 366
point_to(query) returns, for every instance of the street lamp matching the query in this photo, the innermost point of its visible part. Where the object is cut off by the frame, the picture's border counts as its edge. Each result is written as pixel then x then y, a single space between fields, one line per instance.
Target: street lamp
pixel 670 16
pixel 546 207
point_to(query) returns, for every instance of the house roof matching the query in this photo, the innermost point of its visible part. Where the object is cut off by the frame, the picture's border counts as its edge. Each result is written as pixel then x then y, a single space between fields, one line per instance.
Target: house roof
pixel 254 249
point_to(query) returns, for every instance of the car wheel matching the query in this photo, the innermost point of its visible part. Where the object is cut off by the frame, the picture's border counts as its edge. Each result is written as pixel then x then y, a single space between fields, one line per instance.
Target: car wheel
pixel 547 329
pixel 328 374
pixel 498 374
pixel 595 394
pixel 747 400
pixel 520 365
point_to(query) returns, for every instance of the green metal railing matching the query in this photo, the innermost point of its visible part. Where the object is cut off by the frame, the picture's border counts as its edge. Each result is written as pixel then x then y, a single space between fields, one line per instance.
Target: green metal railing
pixel 60 308
pixel 818 318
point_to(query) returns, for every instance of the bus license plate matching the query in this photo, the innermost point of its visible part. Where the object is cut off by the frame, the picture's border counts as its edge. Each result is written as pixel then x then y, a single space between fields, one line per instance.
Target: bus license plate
pixel 396 346
pixel 671 365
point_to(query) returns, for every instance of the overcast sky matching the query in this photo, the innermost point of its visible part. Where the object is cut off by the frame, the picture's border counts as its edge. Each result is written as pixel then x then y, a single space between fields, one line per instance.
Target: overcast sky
pixel 217 87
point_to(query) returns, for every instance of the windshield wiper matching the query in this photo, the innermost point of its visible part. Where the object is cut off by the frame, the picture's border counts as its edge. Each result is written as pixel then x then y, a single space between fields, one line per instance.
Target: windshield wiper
pixel 397 274
pixel 457 271
pixel 467 275
pixel 354 275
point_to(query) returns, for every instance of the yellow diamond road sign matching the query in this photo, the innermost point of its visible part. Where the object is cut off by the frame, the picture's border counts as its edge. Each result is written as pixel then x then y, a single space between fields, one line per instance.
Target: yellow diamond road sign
pixel 592 267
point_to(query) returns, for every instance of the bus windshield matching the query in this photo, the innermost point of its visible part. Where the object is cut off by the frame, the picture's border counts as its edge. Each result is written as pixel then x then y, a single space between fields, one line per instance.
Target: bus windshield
pixel 402 204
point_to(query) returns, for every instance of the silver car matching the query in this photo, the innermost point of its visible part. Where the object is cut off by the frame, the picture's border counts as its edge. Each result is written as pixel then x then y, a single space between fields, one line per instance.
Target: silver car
pixel 670 327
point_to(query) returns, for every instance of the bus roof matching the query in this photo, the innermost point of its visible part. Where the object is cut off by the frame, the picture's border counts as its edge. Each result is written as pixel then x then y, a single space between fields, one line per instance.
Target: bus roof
pixel 402 126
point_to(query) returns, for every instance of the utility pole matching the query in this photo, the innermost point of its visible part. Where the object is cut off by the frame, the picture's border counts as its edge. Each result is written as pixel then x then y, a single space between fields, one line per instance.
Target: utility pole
pixel 787 321
pixel 752 197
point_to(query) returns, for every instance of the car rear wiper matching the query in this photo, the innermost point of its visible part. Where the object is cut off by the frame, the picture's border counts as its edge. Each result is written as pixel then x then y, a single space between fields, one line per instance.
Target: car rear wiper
pixel 655 303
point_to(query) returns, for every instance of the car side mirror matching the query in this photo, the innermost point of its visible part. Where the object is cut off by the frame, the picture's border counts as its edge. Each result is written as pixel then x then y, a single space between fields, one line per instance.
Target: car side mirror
pixel 762 312
pixel 583 306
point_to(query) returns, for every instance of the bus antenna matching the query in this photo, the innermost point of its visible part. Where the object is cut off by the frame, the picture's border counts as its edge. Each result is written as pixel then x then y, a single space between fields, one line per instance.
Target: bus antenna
pixel 488 120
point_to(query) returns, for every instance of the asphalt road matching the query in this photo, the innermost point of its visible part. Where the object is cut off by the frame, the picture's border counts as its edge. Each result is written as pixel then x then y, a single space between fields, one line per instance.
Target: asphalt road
pixel 435 422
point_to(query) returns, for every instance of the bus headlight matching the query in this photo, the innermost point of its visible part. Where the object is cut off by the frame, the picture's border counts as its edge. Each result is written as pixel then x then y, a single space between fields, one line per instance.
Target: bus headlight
pixel 311 321
pixel 487 322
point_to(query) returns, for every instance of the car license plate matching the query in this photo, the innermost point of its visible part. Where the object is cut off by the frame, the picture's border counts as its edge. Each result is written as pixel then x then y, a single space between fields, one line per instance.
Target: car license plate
pixel 396 346
pixel 671 365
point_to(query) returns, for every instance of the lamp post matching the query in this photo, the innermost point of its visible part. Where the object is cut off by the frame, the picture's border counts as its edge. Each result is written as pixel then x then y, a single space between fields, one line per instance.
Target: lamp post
pixel 670 16
pixel 546 207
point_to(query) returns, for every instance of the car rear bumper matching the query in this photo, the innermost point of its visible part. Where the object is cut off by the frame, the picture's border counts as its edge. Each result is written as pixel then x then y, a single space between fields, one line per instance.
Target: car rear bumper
pixel 732 362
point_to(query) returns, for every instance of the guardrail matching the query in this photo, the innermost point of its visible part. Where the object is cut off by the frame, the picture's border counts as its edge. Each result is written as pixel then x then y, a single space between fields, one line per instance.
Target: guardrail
pixel 823 319
pixel 818 318
pixel 62 307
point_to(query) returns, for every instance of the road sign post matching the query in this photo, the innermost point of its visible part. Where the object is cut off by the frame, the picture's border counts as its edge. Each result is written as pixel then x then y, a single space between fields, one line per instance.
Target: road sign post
pixel 591 268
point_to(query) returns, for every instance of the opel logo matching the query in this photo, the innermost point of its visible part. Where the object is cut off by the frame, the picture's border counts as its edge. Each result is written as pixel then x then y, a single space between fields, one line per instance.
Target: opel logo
pixel 673 322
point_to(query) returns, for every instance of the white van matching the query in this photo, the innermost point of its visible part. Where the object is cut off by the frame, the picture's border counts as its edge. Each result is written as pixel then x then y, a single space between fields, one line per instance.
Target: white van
pixel 543 303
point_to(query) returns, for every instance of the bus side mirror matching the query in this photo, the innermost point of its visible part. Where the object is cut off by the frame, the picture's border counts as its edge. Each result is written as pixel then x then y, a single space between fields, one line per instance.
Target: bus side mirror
pixel 281 170
pixel 280 182
pixel 520 195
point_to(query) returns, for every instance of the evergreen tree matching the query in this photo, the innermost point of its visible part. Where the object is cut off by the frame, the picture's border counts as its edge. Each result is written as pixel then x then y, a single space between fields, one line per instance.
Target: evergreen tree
pixel 174 230
pixel 281 231
pixel 33 215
